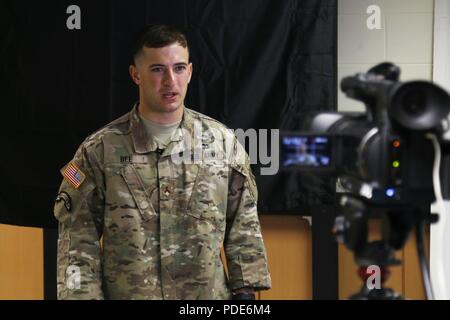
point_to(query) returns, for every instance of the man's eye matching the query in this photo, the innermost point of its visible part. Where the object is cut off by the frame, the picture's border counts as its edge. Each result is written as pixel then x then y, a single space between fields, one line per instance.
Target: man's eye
pixel 157 69
pixel 180 68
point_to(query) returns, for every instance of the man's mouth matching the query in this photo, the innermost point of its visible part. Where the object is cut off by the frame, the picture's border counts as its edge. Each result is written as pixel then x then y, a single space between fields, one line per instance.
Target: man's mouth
pixel 169 95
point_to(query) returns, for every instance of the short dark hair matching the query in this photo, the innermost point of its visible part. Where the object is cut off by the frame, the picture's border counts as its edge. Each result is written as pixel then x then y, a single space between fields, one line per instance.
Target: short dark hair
pixel 158 36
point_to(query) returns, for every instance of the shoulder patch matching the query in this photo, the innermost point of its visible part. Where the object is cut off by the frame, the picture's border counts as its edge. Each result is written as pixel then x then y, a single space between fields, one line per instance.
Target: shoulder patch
pixel 74 175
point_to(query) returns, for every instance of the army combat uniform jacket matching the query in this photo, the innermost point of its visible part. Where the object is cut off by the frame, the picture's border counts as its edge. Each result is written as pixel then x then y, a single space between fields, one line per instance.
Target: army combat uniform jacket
pixel 136 222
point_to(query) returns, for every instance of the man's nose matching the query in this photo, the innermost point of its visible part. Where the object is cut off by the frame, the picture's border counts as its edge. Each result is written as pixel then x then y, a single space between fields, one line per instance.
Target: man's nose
pixel 169 77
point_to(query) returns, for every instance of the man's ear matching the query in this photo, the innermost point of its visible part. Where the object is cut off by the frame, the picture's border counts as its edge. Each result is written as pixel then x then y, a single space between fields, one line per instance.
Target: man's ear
pixel 134 73
pixel 190 71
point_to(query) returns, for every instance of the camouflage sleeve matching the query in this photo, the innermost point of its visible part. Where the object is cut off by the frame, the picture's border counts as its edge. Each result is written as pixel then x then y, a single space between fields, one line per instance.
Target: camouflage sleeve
pixel 79 211
pixel 244 246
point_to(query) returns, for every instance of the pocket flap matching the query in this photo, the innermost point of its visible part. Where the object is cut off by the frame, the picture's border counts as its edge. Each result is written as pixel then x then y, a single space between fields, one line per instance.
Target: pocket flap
pixel 137 189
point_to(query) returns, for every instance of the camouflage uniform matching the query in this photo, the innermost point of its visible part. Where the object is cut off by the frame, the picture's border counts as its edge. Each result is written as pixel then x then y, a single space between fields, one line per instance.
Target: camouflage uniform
pixel 143 226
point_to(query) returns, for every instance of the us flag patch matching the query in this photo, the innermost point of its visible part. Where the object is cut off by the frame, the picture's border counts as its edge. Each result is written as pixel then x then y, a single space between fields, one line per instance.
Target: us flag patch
pixel 74 175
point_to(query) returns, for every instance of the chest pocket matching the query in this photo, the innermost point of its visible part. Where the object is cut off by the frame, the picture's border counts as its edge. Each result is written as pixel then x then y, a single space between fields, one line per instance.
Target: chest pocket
pixel 138 192
pixel 209 194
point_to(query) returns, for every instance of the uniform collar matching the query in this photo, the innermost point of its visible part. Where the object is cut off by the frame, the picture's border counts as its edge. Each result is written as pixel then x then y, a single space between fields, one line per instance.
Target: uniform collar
pixel 144 143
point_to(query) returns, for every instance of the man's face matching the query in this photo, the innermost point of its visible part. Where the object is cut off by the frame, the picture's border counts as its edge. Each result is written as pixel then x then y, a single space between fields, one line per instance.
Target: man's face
pixel 162 75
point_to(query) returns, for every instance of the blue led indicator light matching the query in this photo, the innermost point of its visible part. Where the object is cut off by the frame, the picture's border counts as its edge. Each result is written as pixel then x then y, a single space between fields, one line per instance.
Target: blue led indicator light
pixel 390 192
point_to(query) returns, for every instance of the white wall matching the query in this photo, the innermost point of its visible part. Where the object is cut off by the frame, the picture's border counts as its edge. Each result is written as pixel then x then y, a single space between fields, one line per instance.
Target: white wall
pixel 441 70
pixel 405 38
pixel 440 232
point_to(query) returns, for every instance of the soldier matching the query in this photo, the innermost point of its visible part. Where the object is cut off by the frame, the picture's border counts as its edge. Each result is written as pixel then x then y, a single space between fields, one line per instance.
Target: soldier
pixel 149 200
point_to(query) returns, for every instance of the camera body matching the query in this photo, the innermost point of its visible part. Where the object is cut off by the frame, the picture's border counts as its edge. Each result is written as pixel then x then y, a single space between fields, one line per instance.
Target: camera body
pixel 383 159
pixel 386 148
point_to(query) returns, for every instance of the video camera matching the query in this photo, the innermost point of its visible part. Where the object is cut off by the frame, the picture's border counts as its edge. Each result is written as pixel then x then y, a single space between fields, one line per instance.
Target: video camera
pixel 384 160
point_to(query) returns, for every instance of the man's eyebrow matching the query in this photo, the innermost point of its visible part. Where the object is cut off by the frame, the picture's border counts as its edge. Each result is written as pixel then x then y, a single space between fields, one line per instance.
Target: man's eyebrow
pixel 162 65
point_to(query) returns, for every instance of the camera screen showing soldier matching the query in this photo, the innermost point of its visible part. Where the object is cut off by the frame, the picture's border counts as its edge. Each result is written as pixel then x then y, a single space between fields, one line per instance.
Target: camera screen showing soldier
pixel 148 201
pixel 305 151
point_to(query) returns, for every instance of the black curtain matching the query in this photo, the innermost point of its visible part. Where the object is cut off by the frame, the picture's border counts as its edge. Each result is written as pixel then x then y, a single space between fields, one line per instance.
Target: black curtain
pixel 261 64
pixel 54 91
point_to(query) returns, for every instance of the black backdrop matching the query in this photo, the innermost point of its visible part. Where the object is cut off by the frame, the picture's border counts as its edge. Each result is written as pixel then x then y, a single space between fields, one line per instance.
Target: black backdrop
pixel 258 64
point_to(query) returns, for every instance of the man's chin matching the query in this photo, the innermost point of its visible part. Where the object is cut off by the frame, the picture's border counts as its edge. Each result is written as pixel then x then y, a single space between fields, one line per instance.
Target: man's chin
pixel 170 107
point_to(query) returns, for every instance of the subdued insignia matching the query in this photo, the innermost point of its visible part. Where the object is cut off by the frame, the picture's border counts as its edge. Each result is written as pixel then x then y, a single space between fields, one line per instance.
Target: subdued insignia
pixel 74 175
pixel 64 196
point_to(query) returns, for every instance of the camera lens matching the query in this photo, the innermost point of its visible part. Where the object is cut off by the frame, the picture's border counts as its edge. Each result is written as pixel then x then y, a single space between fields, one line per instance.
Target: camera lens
pixel 419 105
pixel 414 104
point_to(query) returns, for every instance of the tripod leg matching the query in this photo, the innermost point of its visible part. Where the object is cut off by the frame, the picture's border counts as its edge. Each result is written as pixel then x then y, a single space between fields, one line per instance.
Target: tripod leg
pixel 423 261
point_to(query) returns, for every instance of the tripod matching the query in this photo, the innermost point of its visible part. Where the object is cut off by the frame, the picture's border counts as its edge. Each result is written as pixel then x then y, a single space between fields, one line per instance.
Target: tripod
pixel 375 258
